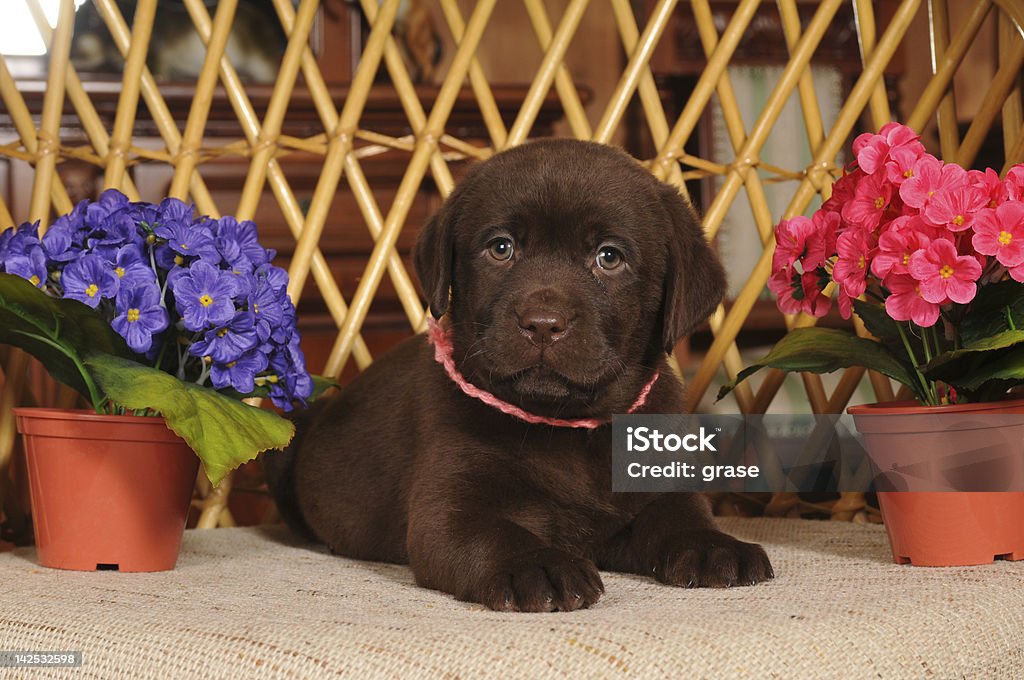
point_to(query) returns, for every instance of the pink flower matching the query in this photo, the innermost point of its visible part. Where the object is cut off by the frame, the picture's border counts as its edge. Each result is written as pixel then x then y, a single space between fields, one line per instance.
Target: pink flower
pixel 828 225
pixel 851 268
pixel 869 203
pixel 845 304
pixel 873 150
pixel 929 176
pixel 1017 273
pixel 903 237
pixel 900 166
pixel 905 302
pixel 1000 232
pixel 1015 182
pixel 955 208
pixel 989 183
pixel 798 240
pixel 944 273
pixel 843 190
pixel 797 293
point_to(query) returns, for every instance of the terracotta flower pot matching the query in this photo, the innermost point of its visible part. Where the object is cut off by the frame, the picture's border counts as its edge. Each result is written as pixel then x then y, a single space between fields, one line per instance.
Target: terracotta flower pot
pixel 947 528
pixel 107 492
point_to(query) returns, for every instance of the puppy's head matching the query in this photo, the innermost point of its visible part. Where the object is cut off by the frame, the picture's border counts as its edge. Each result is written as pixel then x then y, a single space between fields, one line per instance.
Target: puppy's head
pixel 567 270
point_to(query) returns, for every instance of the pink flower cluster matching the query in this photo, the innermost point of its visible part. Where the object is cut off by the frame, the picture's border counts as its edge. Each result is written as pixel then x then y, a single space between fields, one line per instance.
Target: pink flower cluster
pixel 901 224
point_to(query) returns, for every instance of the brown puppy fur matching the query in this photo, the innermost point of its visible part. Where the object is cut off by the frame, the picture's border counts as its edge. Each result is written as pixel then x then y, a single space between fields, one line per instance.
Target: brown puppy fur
pixel 571 271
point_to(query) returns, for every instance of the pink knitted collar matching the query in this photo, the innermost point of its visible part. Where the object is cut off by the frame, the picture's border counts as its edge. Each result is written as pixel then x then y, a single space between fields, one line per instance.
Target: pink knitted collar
pixel 443 350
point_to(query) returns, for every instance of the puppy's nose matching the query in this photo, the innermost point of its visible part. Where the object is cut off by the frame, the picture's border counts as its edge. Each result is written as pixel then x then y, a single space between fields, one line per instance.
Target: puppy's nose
pixel 543 326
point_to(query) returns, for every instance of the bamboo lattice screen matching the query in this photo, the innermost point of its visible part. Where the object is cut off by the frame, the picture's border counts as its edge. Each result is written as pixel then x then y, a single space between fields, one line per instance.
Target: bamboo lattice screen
pixel 343 143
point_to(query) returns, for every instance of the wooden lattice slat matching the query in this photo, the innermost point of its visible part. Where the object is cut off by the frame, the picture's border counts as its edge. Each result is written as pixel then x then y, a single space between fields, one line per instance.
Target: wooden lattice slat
pixel 343 144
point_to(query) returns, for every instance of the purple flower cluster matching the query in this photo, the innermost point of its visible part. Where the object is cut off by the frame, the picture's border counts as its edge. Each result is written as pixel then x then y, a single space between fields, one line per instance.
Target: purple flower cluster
pixel 198 297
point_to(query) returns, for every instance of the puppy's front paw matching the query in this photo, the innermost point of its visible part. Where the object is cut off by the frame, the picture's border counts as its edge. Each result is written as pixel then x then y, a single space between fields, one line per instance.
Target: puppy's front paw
pixel 711 559
pixel 544 580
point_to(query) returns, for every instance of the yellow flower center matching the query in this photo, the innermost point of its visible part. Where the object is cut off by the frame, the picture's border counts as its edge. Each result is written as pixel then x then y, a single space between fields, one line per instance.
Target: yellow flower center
pixel 206 300
pixel 930 194
pixel 958 220
pixel 34 280
pixel 861 263
pixel 880 202
pixel 133 315
pixel 272 379
pixel 1004 238
pixel 946 271
pixel 92 290
pixel 908 173
pixel 906 258
pixel 179 260
pixel 222 332
pixel 255 308
pixel 230 365
pixel 184 246
pixel 119 271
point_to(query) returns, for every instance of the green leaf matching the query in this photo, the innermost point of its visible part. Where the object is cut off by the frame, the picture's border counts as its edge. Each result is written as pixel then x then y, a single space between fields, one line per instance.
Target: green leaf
pixel 223 432
pixel 56 332
pixel 823 350
pixel 997 307
pixel 962 361
pixel 877 321
pixel 882 326
pixel 1006 366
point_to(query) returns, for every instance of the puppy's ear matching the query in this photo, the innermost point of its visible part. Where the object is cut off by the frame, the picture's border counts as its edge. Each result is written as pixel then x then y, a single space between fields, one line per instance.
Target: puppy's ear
pixel 694 280
pixel 434 258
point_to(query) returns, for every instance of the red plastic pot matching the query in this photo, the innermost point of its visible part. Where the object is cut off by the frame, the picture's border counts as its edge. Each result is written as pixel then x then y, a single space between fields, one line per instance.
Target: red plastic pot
pixel 107 492
pixel 944 528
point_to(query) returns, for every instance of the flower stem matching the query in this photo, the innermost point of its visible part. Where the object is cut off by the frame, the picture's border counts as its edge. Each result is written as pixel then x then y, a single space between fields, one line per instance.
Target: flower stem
pixel 929 392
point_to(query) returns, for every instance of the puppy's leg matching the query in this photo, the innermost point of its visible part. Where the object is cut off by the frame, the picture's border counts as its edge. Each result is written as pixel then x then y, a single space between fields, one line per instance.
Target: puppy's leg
pixel 501 565
pixel 675 539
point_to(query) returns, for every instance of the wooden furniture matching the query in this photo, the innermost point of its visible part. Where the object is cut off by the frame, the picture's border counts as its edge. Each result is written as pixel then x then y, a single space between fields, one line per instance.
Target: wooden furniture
pixel 346 242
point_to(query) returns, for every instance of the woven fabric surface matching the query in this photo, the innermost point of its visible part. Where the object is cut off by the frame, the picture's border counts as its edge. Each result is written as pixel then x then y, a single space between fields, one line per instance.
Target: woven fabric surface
pixel 246 603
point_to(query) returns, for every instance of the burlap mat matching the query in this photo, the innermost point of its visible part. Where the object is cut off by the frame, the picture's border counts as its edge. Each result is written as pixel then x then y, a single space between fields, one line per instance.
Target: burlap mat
pixel 252 603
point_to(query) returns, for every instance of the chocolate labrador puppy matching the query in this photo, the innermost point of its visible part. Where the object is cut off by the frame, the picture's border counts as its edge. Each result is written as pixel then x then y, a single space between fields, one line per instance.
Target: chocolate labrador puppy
pixel 561 272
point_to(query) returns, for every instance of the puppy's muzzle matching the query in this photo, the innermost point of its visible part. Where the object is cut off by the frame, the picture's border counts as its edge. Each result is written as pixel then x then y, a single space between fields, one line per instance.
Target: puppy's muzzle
pixel 543 326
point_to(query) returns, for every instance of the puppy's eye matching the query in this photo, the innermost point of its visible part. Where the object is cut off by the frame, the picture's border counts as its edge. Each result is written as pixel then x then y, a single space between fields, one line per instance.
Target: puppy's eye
pixel 500 248
pixel 609 258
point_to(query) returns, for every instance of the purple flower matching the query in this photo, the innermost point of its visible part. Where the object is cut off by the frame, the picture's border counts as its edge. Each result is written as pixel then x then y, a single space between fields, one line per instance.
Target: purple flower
pixel 139 316
pixel 266 305
pixel 240 373
pixel 293 382
pixel 238 244
pixel 275 276
pixel 203 296
pixel 110 202
pixel 228 343
pixel 145 215
pixel 173 211
pixel 158 264
pixel 186 239
pixel 18 241
pixel 66 237
pixel 131 266
pixel 88 279
pixel 114 231
pixel 30 266
pixel 59 245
